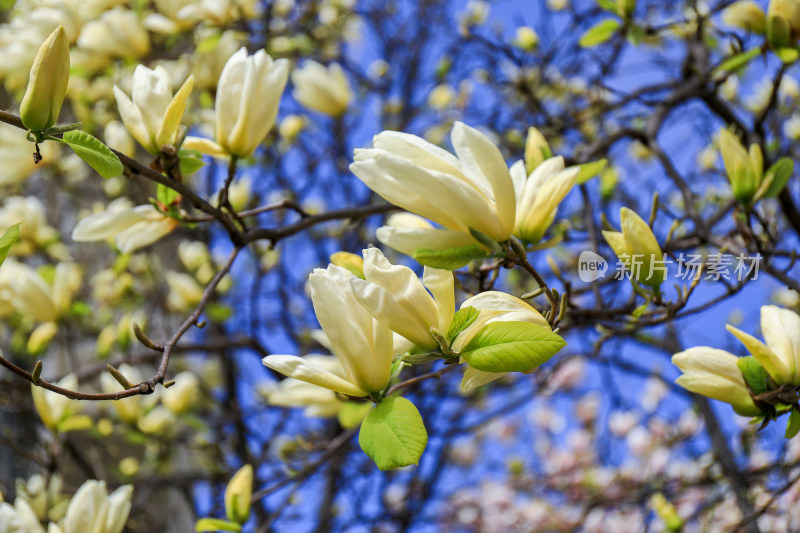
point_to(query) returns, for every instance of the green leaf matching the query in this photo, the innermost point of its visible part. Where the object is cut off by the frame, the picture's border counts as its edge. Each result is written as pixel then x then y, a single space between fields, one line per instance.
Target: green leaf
pixel 352 413
pixel 166 196
pixel 793 425
pixel 737 61
pixel 754 374
pixel 775 178
pixel 635 34
pixel 96 154
pixel 787 54
pixel 218 312
pixel 461 320
pixel 779 31
pixel 590 170
pixel 450 258
pixel 190 161
pixel 7 240
pixel 393 434
pixel 216 524
pixel 608 5
pixel 599 33
pixel 511 347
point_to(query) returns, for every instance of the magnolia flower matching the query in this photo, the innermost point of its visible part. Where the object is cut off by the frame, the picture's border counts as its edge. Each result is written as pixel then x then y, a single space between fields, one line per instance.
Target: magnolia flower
pixel 493 306
pixel 715 373
pixel 315 401
pixel 472 191
pixel 48 83
pixel 539 194
pixel 93 510
pixel 208 62
pixel 744 169
pixel 116 33
pixel 130 227
pixel 154 116
pixel 15 153
pixel 35 233
pixel 183 395
pixel 238 494
pixel 780 356
pixel 322 89
pixel 745 14
pixel 184 291
pixel 53 408
pixel 248 95
pixel 783 21
pixel 637 247
pixel 362 345
pixel 18 518
pixel 407 233
pixel 31 296
pixel 394 295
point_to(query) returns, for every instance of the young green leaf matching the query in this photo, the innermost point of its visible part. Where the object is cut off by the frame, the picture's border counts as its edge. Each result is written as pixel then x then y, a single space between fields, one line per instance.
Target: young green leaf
pixel 775 178
pixel 216 524
pixel 461 321
pixel 754 374
pixel 599 33
pixel 511 347
pixel 793 425
pixel 737 61
pixel 96 154
pixel 450 258
pixel 166 196
pixel 352 413
pixel 7 240
pixel 393 434
pixel 190 161
pixel 590 170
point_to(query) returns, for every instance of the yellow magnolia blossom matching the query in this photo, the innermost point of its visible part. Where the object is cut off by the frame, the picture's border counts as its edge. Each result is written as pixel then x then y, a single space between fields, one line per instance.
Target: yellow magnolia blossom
pixel 183 395
pixel 362 345
pixel 715 373
pixel 47 85
pixel 745 14
pixel 315 401
pixel 93 510
pixel 472 190
pixel 153 116
pixel 637 247
pixel 322 89
pixel 117 33
pixel 394 296
pixel 237 495
pixel 128 409
pixel 539 194
pixel 248 94
pixel 493 306
pixel 130 227
pixel 52 407
pixel 744 168
pixel 780 355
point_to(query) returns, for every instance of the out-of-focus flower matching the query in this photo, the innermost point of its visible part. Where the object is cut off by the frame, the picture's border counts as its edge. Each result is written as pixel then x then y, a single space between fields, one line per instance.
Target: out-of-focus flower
pixel 157 421
pixel 153 116
pixel 35 233
pixel 183 395
pixel 362 344
pixel 128 409
pixel 31 296
pixel 248 95
pixel 93 510
pixel 473 191
pixel 15 153
pixel 442 96
pixel 237 495
pixel 54 408
pixel 322 89
pixel 210 56
pixel 715 373
pixel 780 356
pixel 539 194
pixel 18 518
pixel 184 291
pixel 783 22
pixel 637 247
pixel 493 306
pixel 130 227
pixel 47 85
pixel 394 296
pixel 526 38
pixel 118 33
pixel 745 14
pixel 291 126
pixel 116 136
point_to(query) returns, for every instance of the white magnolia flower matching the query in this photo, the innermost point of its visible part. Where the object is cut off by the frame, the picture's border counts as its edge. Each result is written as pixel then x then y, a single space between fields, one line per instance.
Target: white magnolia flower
pixel 116 33
pixel 35 233
pixel 493 306
pixel 471 191
pixel 315 401
pixel 18 518
pixel 322 89
pixel 130 227
pixel 153 116
pixel 53 407
pixel 780 356
pixel 93 510
pixel 715 373
pixel 15 153
pixel 247 99
pixel 31 296
pixel 362 345
pixel 539 194
pixel 394 295
pixel 183 395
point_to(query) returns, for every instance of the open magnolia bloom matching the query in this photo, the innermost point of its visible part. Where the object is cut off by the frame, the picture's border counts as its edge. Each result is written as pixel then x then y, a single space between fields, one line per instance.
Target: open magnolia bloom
pixel 362 345
pixel 153 116
pixel 19 517
pixel 93 510
pixel 248 94
pixel 716 374
pixel 394 295
pixel 130 227
pixel 472 190
pixel 539 194
pixel 493 306
pixel 322 89
pixel 407 233
pixel 780 356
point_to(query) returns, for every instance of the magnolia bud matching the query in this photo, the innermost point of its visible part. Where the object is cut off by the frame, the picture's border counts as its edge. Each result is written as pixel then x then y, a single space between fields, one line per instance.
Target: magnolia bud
pixel 47 84
pixel 238 494
pixel 536 149
pixel 743 168
pixel 745 14
pixel 351 262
